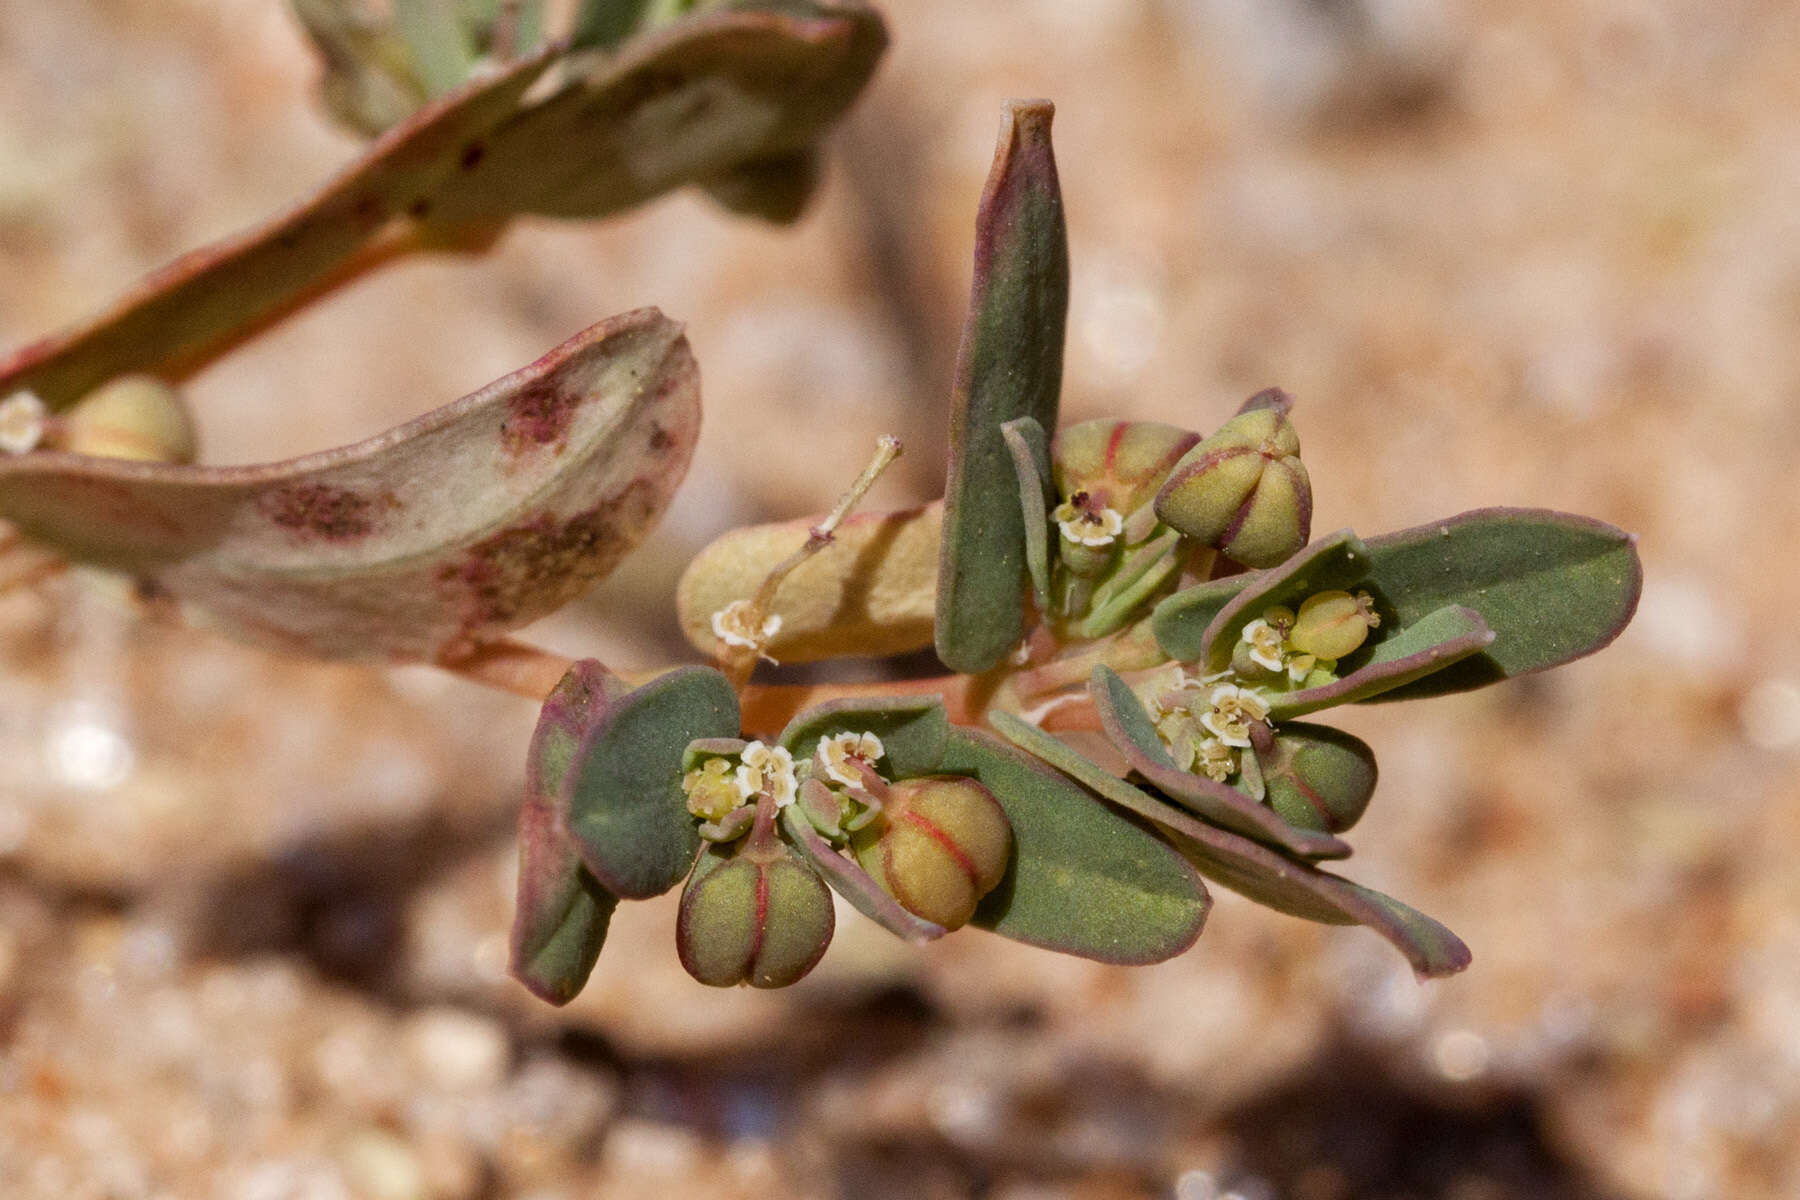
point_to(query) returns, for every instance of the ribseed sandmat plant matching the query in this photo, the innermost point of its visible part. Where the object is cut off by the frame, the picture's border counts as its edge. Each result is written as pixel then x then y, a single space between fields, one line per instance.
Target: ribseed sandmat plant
pixel 1136 616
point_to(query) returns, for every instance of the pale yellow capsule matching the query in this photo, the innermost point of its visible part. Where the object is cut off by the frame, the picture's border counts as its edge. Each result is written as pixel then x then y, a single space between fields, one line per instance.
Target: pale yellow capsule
pixel 133 417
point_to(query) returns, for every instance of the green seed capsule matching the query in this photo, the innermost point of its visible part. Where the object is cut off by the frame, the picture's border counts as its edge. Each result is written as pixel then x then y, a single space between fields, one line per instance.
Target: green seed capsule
pixel 1244 490
pixel 1332 624
pixel 753 914
pixel 939 846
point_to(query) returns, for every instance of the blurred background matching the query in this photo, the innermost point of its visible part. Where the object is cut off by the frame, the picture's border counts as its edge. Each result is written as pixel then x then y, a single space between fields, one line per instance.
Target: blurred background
pixel 253 911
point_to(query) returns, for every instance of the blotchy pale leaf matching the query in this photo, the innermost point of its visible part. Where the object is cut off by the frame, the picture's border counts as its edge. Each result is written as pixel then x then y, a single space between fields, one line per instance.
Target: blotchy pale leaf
pixel 1009 366
pixel 681 103
pixel 871 592
pixel 1084 880
pixel 687 103
pixel 562 911
pixel 423 541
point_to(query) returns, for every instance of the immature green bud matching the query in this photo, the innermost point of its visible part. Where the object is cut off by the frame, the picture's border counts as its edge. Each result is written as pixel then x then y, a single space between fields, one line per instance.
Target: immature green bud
pixel 753 914
pixel 1117 464
pixel 1244 490
pixel 1333 624
pixel 939 846
pixel 134 417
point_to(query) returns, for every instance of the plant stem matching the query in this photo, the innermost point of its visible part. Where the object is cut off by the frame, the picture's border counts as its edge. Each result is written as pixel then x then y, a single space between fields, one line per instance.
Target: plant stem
pixel 531 672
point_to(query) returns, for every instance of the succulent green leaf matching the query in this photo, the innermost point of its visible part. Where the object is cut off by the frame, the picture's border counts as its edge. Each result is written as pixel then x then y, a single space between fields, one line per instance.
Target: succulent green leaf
pixel 1332 563
pixel 1257 871
pixel 1431 643
pixel 872 592
pixel 369 83
pixel 1130 729
pixel 1552 586
pixel 421 542
pixel 1030 450
pixel 441 51
pixel 606 23
pixel 855 884
pixel 912 730
pixel 1009 366
pixel 686 103
pixel 624 807
pixel 1085 880
pixel 1318 777
pixel 1180 621
pixel 562 914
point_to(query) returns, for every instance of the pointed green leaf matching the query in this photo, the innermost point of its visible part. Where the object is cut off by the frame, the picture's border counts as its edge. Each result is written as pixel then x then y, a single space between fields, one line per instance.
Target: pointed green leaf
pixel 1030 450
pixel 1552 586
pixel 420 542
pixel 854 884
pixel 1333 563
pixel 1130 729
pixel 624 804
pixel 686 103
pixel 912 730
pixel 1318 777
pixel 1429 644
pixel 1009 366
pixel 368 82
pixel 562 913
pixel 1257 871
pixel 606 23
pixel 441 52
pixel 1084 879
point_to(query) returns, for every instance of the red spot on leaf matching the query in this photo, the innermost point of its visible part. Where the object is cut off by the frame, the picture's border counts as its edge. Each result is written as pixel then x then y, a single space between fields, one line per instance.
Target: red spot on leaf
pixel 539 415
pixel 320 510
pixel 538 565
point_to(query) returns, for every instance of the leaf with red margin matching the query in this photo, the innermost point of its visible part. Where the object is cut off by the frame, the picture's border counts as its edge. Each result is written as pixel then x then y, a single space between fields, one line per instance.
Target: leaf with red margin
pixel 1008 366
pixel 423 541
pixel 562 912
pixel 1257 871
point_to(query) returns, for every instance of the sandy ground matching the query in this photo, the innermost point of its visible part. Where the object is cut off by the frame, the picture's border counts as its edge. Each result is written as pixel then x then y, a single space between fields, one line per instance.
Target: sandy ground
pixel 252 911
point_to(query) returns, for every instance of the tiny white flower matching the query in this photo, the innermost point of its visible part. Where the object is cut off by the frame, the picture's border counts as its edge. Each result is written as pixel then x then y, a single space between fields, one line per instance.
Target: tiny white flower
pixel 731 625
pixel 1215 760
pixel 1088 526
pixel 838 750
pixel 1265 642
pixel 1300 666
pixel 712 793
pixel 768 769
pixel 21 422
pixel 1234 710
